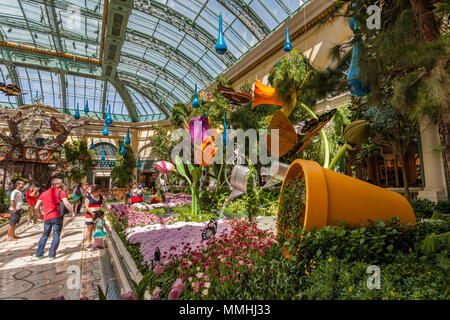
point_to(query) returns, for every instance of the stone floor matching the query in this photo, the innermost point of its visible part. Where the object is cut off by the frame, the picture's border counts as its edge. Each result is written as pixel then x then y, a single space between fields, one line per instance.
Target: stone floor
pixel 22 277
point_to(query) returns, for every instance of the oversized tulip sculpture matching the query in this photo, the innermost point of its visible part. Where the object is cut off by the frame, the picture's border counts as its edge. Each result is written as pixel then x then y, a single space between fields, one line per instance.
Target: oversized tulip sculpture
pixel 202 138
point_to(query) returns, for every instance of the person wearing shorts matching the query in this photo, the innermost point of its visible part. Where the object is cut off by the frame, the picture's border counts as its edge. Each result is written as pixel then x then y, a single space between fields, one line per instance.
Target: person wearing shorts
pixel 15 210
pixel 50 200
pixel 93 204
pixel 32 195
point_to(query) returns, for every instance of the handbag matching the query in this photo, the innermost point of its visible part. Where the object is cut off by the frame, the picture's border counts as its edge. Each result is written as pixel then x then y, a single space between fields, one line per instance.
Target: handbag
pixel 62 208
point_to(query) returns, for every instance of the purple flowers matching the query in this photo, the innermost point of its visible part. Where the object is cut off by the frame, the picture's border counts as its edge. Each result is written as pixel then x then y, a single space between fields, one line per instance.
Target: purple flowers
pixel 139 218
pixel 172 240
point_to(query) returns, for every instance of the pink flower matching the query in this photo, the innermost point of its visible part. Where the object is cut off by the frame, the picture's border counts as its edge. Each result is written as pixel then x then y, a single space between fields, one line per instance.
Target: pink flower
pixel 179 285
pixel 156 297
pixel 156 291
pixel 158 269
pixel 174 294
pixel 196 286
pixel 222 279
pixel 199 275
pixel 129 296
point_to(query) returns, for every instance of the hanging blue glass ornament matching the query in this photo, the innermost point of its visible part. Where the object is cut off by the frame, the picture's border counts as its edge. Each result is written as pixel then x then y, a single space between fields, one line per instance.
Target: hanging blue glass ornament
pixel 108 116
pixel 92 144
pixel 195 102
pixel 86 107
pixel 37 94
pixel 221 46
pixel 105 130
pixel 122 150
pixel 224 136
pixel 278 64
pixel 77 112
pixel 287 43
pixel 138 164
pixel 358 87
pixel 127 139
pixel 103 155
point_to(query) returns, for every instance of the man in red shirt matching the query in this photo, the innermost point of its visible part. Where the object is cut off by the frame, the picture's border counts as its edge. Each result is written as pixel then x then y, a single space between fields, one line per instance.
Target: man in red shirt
pixel 50 199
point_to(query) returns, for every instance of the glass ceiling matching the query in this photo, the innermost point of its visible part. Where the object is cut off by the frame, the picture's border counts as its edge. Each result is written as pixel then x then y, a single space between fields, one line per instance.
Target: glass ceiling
pixel 168 48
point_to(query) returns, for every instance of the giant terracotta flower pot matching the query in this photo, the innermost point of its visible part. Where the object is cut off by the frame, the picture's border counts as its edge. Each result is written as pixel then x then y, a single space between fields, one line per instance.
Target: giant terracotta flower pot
pixel 332 198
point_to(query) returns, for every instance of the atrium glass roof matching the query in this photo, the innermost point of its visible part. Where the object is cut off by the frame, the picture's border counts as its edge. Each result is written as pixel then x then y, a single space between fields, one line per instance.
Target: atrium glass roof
pixel 167 49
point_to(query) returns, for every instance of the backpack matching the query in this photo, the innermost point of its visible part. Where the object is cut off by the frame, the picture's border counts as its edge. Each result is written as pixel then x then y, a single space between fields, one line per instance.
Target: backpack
pixel 62 208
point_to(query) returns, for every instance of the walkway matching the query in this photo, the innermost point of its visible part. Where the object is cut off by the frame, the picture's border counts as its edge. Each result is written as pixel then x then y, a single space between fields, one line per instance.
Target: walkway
pixel 24 277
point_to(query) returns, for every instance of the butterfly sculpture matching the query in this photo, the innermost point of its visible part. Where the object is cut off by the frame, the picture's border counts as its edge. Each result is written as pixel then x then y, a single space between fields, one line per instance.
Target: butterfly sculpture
pixel 291 143
pixel 10 89
pixel 206 96
pixel 239 98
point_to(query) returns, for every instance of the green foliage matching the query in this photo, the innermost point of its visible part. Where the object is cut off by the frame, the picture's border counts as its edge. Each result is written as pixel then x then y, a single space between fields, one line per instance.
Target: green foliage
pixel 443 207
pixel 423 208
pixel 160 143
pixel 379 242
pixel 123 174
pixel 252 197
pixel 102 295
pixel 141 287
pixel 78 158
pixel 179 113
pixel 292 209
pixel 289 77
pixel 4 206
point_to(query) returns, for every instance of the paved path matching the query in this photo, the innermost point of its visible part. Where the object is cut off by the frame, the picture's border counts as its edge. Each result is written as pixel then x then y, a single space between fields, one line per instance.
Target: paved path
pixel 24 277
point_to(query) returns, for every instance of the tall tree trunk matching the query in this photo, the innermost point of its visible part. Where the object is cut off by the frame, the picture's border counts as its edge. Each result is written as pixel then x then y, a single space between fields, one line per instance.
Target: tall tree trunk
pixel 429 30
pixel 426 21
pixel 405 176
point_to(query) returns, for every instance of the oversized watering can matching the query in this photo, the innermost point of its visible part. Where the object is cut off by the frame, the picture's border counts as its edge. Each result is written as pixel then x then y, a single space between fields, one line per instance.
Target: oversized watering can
pixel 276 171
pixel 238 181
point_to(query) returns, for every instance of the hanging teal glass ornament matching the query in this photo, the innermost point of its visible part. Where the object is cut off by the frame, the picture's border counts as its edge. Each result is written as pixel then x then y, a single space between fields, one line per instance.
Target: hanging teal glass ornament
pixel 37 94
pixel 86 107
pixel 138 164
pixel 103 155
pixel 287 44
pixel 127 139
pixel 357 86
pixel 92 144
pixel 278 64
pixel 108 119
pixel 122 150
pixel 221 46
pixel 195 102
pixel 224 136
pixel 77 112
pixel 105 130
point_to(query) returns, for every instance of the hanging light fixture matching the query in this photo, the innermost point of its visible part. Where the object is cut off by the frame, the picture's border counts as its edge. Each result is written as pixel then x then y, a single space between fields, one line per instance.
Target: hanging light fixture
pixel 103 154
pixel 138 164
pixel 105 130
pixel 221 46
pixel 287 44
pixel 224 137
pixel 77 112
pixel 86 107
pixel 195 102
pixel 92 144
pixel 108 119
pixel 127 139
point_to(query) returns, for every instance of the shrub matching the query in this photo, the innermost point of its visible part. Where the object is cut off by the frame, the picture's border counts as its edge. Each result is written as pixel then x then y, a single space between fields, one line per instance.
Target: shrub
pixel 423 208
pixel 443 207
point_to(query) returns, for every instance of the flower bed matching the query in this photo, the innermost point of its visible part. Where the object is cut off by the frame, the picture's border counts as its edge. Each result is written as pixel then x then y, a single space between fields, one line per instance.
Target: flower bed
pixel 129 218
pixel 4 217
pixel 172 240
pixel 208 269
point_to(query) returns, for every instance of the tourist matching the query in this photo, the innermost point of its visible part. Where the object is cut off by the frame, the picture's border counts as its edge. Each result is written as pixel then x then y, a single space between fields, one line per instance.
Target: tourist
pixel 93 204
pixel 31 196
pixel 65 221
pixel 77 198
pixel 15 210
pixel 50 200
pixel 99 235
